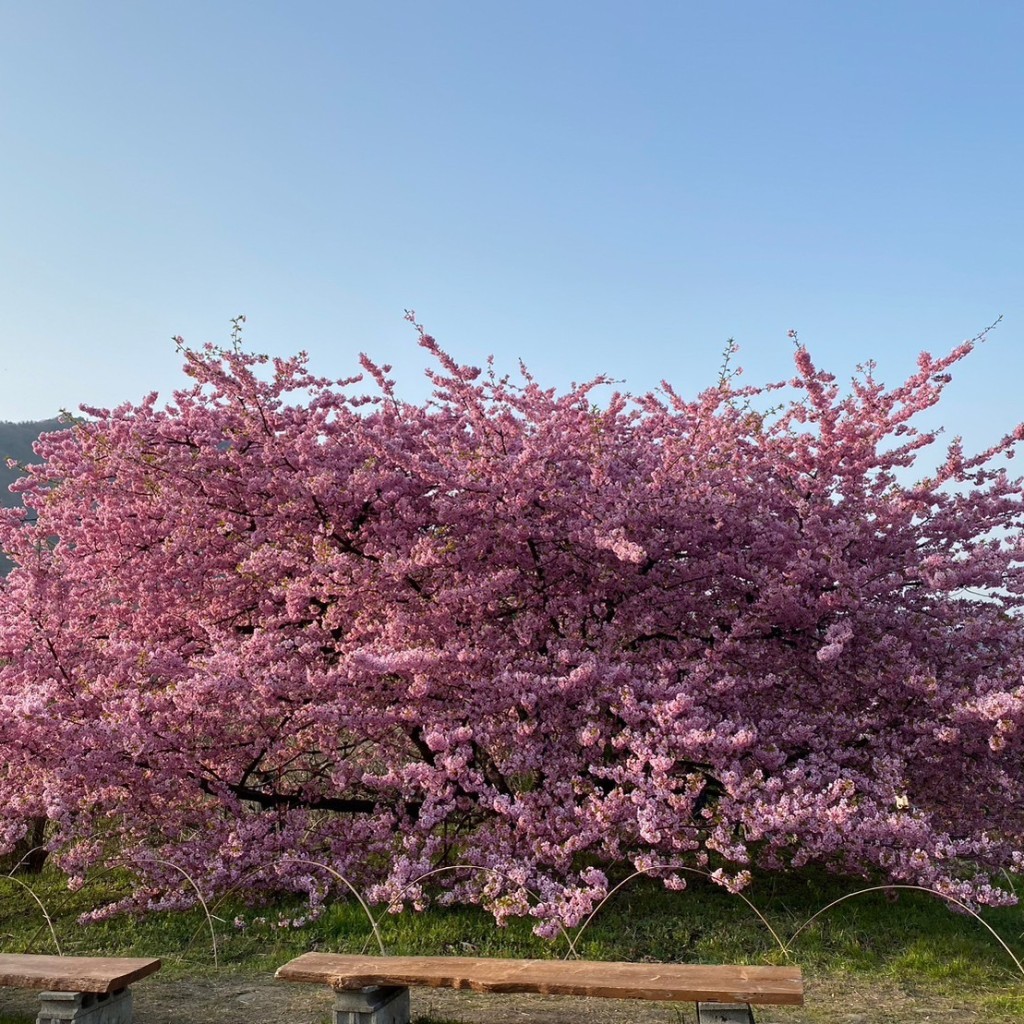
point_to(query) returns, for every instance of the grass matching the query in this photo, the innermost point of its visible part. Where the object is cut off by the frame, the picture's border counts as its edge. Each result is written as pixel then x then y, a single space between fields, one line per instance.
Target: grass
pixel 907 939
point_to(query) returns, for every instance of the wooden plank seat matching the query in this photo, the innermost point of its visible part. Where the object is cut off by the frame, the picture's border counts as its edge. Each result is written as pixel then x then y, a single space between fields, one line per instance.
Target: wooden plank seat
pixel 375 990
pixel 82 989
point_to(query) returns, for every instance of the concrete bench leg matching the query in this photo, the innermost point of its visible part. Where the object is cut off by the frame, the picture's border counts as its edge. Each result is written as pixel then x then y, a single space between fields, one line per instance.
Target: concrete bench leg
pixel 724 1013
pixel 380 1004
pixel 85 1007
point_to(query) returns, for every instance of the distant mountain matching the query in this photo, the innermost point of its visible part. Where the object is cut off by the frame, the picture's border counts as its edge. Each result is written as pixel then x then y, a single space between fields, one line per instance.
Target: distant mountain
pixel 16 443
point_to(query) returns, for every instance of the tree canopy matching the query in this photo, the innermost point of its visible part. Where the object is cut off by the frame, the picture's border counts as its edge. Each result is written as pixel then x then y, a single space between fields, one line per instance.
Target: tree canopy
pixel 282 621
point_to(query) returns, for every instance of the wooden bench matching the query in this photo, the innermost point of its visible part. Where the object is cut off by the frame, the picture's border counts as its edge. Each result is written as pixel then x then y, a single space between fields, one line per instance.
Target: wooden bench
pixel 83 989
pixel 375 990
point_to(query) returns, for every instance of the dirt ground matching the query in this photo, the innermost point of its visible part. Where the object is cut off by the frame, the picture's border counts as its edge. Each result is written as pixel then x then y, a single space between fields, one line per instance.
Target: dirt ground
pixel 239 999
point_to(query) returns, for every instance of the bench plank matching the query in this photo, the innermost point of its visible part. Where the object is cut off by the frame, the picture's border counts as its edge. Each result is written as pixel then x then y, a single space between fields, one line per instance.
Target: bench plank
pixel 608 980
pixel 97 974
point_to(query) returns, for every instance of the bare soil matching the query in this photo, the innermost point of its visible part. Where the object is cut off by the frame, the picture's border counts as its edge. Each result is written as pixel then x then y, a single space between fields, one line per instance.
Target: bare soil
pixel 223 998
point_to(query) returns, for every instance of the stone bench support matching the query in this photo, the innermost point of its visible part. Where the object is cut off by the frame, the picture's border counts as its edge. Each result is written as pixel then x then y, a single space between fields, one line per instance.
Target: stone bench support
pixel 724 1013
pixel 377 1004
pixel 85 1007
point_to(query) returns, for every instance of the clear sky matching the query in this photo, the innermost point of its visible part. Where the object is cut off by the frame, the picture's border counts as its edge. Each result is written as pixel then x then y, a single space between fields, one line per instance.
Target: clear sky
pixel 592 186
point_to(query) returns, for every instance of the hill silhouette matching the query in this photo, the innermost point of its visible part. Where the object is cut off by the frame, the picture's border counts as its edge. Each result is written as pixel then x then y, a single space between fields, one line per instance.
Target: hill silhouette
pixel 16 440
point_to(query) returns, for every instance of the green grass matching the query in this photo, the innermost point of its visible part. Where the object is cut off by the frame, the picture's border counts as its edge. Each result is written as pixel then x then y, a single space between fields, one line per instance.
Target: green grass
pixel 1011 1005
pixel 912 939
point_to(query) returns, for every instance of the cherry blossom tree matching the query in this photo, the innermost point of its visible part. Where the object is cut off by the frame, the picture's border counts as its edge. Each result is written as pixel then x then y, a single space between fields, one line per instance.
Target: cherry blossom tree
pixel 550 635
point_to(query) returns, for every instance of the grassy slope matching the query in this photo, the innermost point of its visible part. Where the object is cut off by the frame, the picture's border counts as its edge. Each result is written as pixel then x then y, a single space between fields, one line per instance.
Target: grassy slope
pixel 913 942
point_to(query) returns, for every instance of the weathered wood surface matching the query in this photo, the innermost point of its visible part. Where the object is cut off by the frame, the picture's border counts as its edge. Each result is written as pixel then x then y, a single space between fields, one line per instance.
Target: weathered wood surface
pixel 669 982
pixel 73 973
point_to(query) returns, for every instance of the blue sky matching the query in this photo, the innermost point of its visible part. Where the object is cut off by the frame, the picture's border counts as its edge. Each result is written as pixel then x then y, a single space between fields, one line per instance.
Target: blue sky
pixel 590 186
